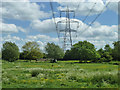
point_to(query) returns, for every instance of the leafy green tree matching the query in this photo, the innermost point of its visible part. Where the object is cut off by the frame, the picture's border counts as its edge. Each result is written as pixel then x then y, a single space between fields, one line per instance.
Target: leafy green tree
pixel 116 51
pixel 101 51
pixel 44 55
pixel 108 48
pixel 83 51
pixel 0 55
pixel 54 51
pixel 105 57
pixel 10 51
pixel 68 55
pixel 21 55
pixel 105 54
pixel 31 51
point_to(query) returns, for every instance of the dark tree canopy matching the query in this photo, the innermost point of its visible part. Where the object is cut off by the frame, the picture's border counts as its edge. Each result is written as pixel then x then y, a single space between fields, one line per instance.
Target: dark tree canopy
pixel 82 51
pixel 10 51
pixel 101 51
pixel 54 51
pixel 116 50
pixel 31 51
pixel 108 48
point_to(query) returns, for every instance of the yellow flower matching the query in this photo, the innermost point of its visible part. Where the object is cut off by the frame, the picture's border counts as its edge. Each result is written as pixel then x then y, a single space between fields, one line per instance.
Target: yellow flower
pixel 24 81
pixel 46 79
pixel 28 81
pixel 62 74
pixel 59 80
pixel 57 74
pixel 51 80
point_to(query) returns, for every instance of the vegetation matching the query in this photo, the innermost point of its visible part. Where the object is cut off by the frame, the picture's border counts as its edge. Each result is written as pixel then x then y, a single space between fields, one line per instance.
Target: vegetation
pixel 54 51
pixel 10 51
pixel 31 51
pixel 82 51
pixel 63 74
pixel 116 51
pixel 88 68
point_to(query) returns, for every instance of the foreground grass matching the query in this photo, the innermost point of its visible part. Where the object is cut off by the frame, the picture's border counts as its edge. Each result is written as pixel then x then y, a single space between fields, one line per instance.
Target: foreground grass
pixel 64 74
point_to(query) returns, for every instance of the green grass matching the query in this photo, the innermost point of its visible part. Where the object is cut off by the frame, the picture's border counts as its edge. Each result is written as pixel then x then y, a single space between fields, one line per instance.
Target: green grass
pixel 63 74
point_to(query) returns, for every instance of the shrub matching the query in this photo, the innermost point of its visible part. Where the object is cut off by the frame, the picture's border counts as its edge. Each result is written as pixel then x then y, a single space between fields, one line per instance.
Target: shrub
pixel 72 77
pixel 107 77
pixel 102 59
pixel 34 73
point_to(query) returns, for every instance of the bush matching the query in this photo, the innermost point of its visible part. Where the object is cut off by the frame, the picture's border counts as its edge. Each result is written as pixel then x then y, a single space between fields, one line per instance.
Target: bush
pixel 10 51
pixel 108 78
pixel 102 59
pixel 72 78
pixel 34 73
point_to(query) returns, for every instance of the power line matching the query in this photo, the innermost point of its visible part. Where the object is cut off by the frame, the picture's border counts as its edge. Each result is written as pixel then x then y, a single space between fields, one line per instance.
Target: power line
pixel 77 6
pixel 97 16
pixel 89 12
pixel 54 18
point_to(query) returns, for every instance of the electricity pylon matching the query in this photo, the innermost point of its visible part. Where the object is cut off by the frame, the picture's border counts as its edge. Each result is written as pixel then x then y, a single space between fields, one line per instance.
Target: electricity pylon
pixel 67 31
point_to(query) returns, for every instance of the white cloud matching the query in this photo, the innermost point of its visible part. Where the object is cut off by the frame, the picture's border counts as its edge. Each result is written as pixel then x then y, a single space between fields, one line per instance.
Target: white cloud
pixel 43 38
pixel 40 39
pixel 21 29
pixel 15 0
pixel 8 28
pixel 42 45
pixel 46 26
pixel 102 30
pixel 113 6
pixel 96 32
pixel 23 11
pixel 43 26
pixel 11 38
pixel 83 8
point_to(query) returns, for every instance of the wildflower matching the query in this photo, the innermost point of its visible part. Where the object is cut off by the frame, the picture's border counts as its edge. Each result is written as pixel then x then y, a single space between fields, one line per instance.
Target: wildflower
pixel 62 74
pixel 51 80
pixel 42 79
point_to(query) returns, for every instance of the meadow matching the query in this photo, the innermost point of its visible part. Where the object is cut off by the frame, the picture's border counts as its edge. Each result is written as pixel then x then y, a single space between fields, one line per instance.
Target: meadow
pixel 63 74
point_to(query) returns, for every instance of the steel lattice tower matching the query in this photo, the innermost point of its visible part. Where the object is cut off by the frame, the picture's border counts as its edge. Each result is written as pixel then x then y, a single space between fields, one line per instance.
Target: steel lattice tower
pixel 67 31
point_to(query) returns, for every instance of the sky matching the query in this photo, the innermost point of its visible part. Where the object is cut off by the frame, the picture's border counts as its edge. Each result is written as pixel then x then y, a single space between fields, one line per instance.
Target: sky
pixel 25 21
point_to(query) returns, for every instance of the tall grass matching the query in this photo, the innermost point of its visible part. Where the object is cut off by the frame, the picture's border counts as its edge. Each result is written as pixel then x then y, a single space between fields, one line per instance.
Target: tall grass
pixel 59 75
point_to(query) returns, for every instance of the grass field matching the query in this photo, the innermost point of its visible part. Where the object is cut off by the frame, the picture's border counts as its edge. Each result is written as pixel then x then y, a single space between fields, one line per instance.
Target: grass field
pixel 63 74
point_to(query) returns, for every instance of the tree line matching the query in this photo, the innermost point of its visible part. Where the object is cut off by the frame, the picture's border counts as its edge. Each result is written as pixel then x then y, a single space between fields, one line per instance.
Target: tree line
pixel 82 51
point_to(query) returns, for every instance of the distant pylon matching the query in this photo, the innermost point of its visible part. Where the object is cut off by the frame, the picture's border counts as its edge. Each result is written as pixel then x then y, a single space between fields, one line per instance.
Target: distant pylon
pixel 67 31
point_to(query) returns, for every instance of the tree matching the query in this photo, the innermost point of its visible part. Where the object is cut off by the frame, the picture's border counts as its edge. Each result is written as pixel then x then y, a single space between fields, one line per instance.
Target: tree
pixel 68 55
pixel 31 51
pixel 54 51
pixel 101 51
pixel 83 51
pixel 108 48
pixel 0 54
pixel 10 51
pixel 44 55
pixel 21 55
pixel 107 57
pixel 105 54
pixel 116 50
